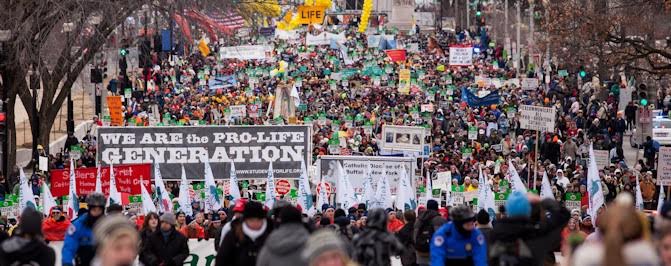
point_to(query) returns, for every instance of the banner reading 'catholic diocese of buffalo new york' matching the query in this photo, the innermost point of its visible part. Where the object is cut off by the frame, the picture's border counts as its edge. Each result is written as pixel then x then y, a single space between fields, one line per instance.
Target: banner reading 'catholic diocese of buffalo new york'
pixel 252 148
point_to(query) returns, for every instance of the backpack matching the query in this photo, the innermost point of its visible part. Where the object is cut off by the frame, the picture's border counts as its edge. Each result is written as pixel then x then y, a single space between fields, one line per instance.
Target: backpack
pixel 424 235
pixel 514 253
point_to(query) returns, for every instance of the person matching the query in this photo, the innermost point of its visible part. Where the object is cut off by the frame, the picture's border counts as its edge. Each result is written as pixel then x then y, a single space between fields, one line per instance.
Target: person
pixel 394 224
pixel 664 247
pixel 27 247
pixel 458 242
pixel 406 236
pixel 238 209
pixel 325 248
pixel 78 245
pixel 181 222
pixel 165 246
pixel 117 241
pixel 242 244
pixel 375 245
pixel 285 244
pixel 484 225
pixel 649 151
pixel 427 223
pixel 149 227
pixel 342 225
pixel 195 229
pixel 55 226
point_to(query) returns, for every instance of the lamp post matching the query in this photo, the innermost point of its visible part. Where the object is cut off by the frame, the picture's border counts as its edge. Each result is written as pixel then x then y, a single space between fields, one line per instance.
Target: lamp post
pixel 95 20
pixel 70 123
pixel 5 35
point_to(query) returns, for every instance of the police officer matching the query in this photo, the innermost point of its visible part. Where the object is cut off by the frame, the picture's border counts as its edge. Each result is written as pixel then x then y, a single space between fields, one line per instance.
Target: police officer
pixel 78 245
pixel 458 242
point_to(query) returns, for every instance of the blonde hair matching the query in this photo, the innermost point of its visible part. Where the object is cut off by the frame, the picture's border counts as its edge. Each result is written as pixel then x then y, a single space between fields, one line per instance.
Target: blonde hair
pixel 112 229
pixel 618 228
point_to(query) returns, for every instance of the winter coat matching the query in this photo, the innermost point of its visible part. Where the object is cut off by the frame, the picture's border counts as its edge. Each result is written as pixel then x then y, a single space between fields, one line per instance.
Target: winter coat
pixel 406 236
pixel 436 220
pixel 55 230
pixel 158 251
pixel 239 249
pixel 374 246
pixel 21 251
pixel 284 246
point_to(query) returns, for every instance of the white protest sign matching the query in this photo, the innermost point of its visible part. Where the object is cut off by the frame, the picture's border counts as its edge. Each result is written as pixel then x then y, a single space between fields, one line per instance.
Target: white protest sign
pixel 324 38
pixel 529 83
pixel 244 52
pixel 461 56
pixel 602 158
pixel 238 110
pixel 664 166
pixel 537 118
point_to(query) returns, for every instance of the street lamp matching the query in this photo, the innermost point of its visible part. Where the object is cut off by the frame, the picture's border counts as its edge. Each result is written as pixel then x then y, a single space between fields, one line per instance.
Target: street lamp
pixel 70 123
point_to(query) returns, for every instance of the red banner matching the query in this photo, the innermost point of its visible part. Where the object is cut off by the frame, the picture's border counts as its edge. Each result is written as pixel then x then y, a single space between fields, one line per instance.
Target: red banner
pixel 127 179
pixel 396 55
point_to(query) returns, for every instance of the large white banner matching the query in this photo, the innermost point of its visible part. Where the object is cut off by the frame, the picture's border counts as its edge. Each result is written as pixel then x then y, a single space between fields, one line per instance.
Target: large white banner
pixel 461 56
pixel 202 252
pixel 537 118
pixel 244 52
pixel 356 167
pixel 403 138
pixel 530 84
pixel 287 34
pixel 664 166
pixel 324 38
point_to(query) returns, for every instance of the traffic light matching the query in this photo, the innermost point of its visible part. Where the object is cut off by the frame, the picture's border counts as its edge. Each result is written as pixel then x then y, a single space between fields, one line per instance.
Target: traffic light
pixel 643 97
pixel 644 102
pixel 582 72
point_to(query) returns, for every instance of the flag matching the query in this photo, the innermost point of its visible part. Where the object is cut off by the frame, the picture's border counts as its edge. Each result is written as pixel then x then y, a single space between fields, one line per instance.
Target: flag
pixel 270 187
pixel 639 195
pixel 184 199
pixel 322 197
pixel 368 192
pixel 429 187
pixel 294 94
pixel 515 179
pixel 26 194
pixel 234 190
pixel 345 192
pixel 212 200
pixel 383 193
pixel 147 202
pixel 660 200
pixel 48 200
pixel 482 190
pixel 405 196
pixel 99 183
pixel 73 200
pixel 546 189
pixel 203 48
pixel 304 196
pixel 596 199
pixel 486 196
pixel 164 202
pixel 114 195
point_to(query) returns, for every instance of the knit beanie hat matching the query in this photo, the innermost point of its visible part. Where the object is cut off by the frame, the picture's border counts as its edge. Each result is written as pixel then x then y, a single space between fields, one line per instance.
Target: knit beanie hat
pixel 320 242
pixel 31 222
pixel 338 213
pixel 169 218
pixel 518 205
pixel 290 214
pixel 254 209
pixel 432 205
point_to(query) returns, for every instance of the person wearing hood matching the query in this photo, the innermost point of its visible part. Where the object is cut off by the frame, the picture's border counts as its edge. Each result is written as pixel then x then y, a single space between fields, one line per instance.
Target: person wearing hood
pixel 238 209
pixel 427 223
pixel 242 244
pixel 78 245
pixel 166 246
pixel 285 244
pixel 27 246
pixel 374 246
pixel 458 242
pixel 55 226
pixel 342 225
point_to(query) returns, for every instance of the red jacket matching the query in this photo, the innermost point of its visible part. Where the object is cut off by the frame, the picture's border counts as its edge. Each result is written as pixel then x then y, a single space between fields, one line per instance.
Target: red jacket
pixel 55 230
pixel 394 225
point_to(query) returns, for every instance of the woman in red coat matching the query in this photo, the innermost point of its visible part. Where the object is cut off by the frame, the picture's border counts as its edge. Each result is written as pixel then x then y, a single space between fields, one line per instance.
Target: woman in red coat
pixel 56 225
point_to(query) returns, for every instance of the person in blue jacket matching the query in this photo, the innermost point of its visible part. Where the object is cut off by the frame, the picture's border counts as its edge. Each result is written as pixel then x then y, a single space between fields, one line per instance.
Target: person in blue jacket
pixel 458 242
pixel 78 246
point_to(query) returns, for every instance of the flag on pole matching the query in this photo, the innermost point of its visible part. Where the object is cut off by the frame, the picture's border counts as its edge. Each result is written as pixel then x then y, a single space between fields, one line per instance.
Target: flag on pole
pixel 596 198
pixel 184 199
pixel 660 200
pixel 345 192
pixel 164 202
pixel 114 195
pixel 368 192
pixel 322 197
pixel 212 199
pixel 99 183
pixel 73 200
pixel 304 196
pixel 270 187
pixel 383 193
pixel 515 178
pixel 25 193
pixel 48 200
pixel 234 190
pixel 639 195
pixel 546 189
pixel 147 202
pixel 482 190
pixel 405 196
pixel 429 187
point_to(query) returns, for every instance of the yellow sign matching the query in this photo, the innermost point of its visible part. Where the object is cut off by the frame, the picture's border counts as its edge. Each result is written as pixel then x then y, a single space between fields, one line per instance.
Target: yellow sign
pixel 404 81
pixel 311 14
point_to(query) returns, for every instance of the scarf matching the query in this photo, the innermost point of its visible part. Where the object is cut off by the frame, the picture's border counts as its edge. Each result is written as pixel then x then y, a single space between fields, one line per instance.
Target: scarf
pixel 254 234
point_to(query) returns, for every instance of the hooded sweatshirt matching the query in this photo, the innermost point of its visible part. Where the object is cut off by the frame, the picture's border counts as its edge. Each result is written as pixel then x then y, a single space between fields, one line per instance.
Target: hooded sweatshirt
pixel 284 246
pixel 374 246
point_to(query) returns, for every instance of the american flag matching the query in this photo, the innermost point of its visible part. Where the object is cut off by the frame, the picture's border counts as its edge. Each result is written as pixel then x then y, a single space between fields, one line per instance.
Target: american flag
pixel 228 19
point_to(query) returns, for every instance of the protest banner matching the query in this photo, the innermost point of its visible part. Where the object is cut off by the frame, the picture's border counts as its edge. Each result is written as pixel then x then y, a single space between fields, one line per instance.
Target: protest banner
pixel 461 56
pixel 324 38
pixel 404 138
pixel 404 81
pixel 356 167
pixel 238 111
pixel 537 118
pixel 602 158
pixel 282 186
pixel 311 14
pixel 252 148
pixel 287 35
pixel 529 83
pixel 10 208
pixel 664 166
pixel 127 177
pixel 114 107
pixel 244 52
pixel 396 55
pixel 377 41
pixel 572 200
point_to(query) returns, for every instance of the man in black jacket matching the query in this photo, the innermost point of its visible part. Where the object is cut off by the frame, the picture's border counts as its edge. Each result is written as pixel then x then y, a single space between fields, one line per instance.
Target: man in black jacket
pixel 427 223
pixel 242 244
pixel 165 247
pixel 27 246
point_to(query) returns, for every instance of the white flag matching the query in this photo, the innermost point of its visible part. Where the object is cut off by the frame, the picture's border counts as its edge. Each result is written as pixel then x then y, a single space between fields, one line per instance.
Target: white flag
pixel 482 190
pixel 660 200
pixel 368 192
pixel 73 200
pixel 115 196
pixel 383 193
pixel 270 187
pixel 26 193
pixel 304 196
pixel 164 202
pixel 48 200
pixel 596 199
pixel 515 178
pixel 546 189
pixel 405 196
pixel 184 199
pixel 429 187
pixel 99 183
pixel 639 195
pixel 322 197
pixel 345 191
pixel 234 190
pixel 147 202
pixel 212 199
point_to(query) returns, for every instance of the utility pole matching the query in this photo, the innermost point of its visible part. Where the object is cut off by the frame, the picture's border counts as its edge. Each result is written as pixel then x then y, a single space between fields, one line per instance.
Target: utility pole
pixel 531 30
pixel 517 48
